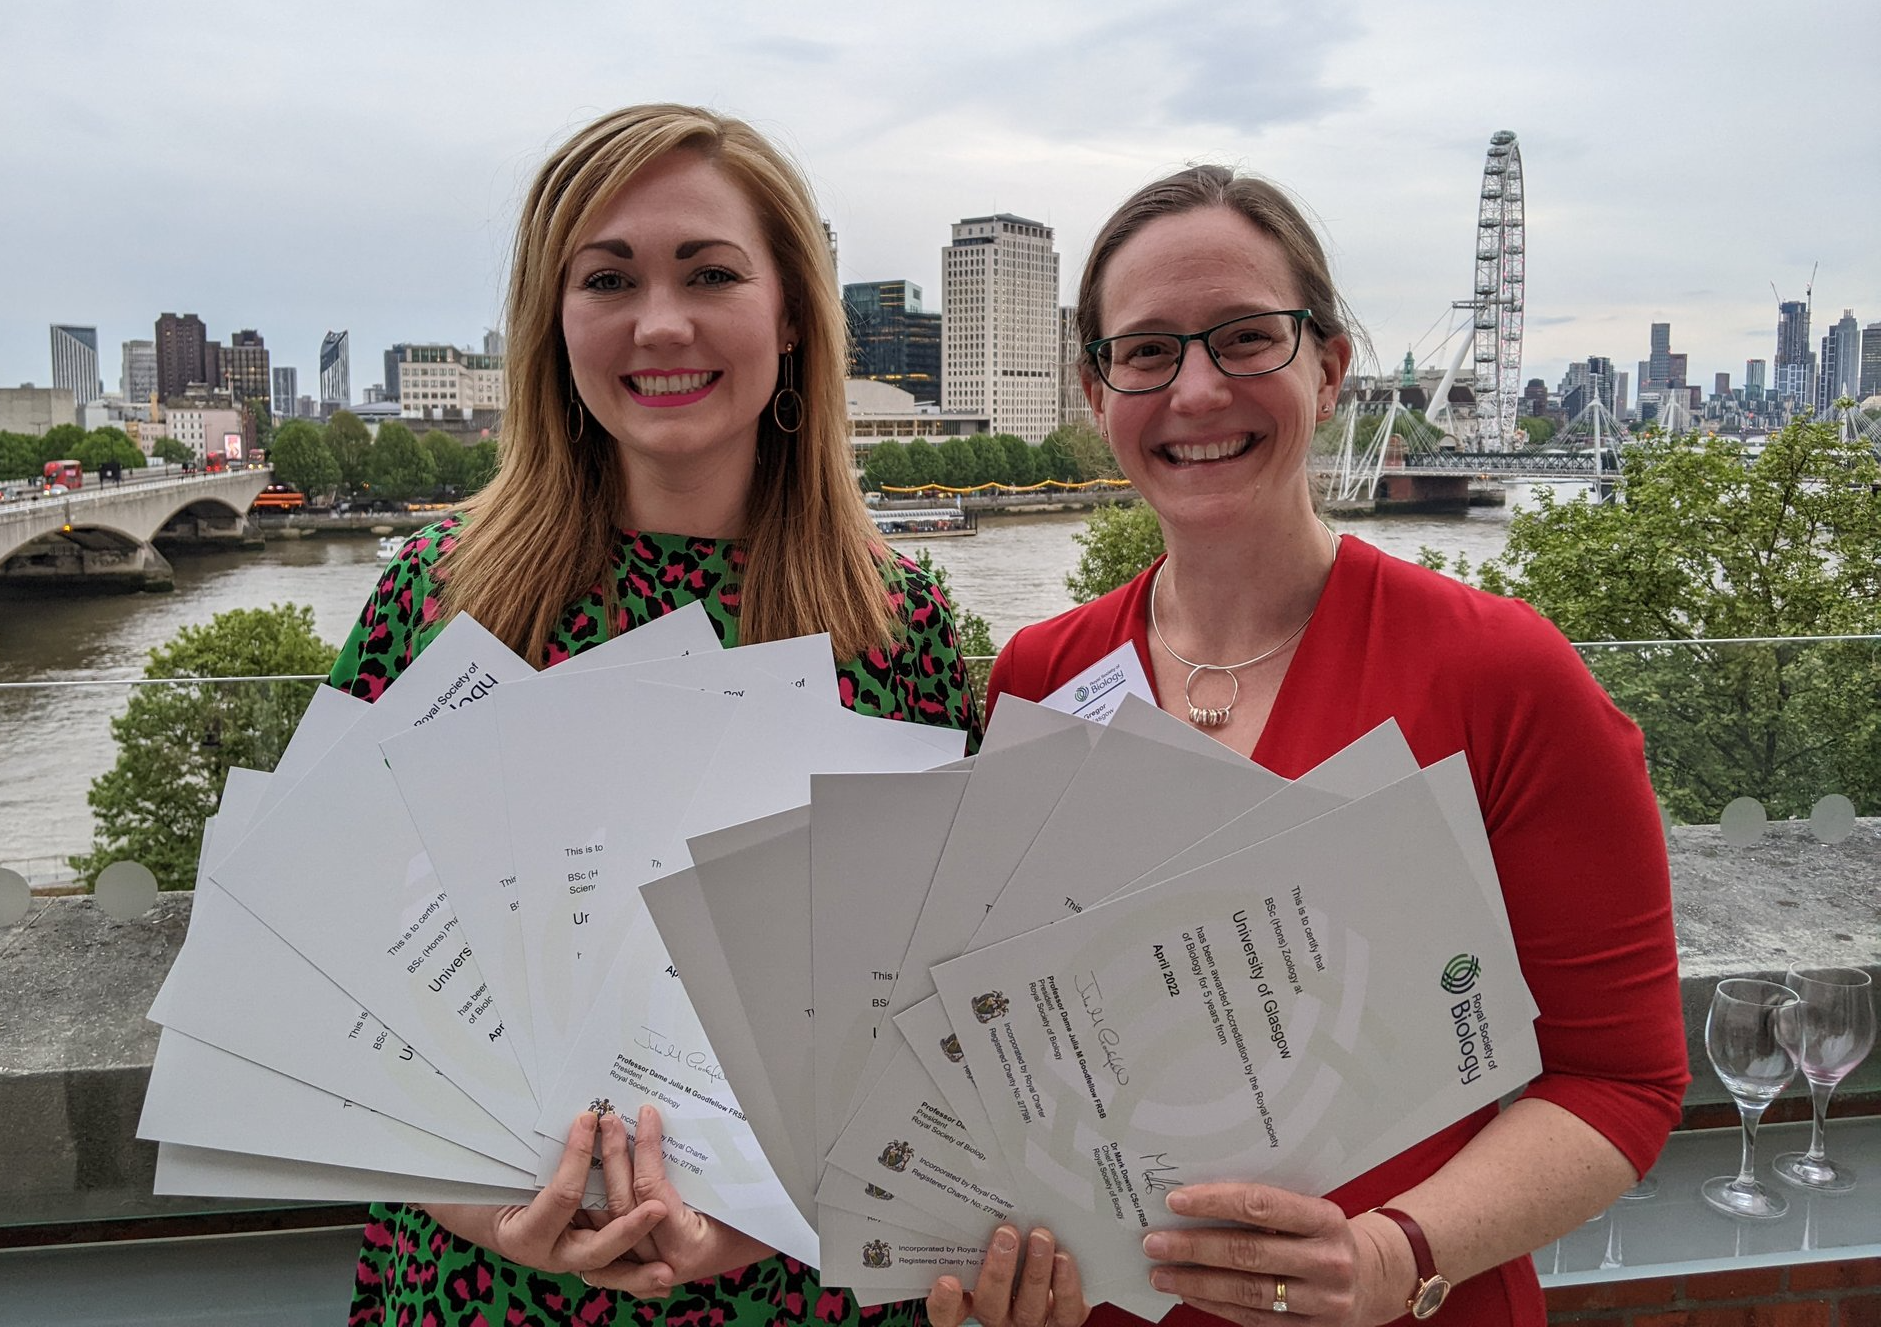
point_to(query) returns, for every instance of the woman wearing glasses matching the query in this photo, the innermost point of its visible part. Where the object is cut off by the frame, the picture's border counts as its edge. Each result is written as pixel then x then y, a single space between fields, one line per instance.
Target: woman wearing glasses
pixel 1215 343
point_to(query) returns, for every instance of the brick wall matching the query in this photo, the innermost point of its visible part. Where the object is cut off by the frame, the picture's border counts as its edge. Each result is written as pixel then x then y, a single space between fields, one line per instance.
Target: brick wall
pixel 1824 1294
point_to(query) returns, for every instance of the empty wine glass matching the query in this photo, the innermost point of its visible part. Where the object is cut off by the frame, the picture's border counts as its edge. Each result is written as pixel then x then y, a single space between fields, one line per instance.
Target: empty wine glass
pixel 1838 1032
pixel 1752 1035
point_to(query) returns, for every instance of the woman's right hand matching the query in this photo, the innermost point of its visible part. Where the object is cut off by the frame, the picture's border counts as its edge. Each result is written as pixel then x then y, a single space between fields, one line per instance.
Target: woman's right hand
pixel 1048 1293
pixel 554 1233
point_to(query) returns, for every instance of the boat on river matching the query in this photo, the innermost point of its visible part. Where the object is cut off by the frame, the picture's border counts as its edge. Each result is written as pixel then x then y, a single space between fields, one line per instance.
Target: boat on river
pixel 923 522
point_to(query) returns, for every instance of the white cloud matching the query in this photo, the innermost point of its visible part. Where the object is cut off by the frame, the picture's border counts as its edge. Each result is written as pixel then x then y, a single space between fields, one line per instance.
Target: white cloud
pixel 355 165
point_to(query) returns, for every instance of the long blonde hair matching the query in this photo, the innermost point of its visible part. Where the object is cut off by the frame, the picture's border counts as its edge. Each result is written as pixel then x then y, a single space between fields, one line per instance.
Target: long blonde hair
pixel 543 532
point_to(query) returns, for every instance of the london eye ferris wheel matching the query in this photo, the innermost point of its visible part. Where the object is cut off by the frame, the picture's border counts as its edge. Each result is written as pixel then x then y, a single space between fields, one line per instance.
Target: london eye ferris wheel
pixel 1498 294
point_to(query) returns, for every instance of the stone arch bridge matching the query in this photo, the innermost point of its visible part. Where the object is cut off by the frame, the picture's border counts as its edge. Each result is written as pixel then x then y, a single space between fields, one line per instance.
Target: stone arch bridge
pixel 106 534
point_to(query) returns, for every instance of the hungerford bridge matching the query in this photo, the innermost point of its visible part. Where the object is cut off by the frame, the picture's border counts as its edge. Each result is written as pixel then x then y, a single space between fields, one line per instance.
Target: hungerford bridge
pixel 106 531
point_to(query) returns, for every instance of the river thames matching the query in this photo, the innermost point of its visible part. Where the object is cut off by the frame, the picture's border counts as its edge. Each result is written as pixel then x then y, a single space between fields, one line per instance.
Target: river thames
pixel 54 740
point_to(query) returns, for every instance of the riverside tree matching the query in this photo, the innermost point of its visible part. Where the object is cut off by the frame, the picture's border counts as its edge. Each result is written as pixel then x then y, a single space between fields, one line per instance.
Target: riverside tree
pixel 1703 547
pixel 1118 543
pixel 302 459
pixel 176 742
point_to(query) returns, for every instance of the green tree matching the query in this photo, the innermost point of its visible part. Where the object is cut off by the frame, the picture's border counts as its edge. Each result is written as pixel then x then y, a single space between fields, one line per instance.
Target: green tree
pixel 990 459
pixel 1055 461
pixel 400 469
pixel 448 456
pixel 480 465
pixel 887 464
pixel 960 467
pixel 1021 461
pixel 169 449
pixel 1540 429
pixel 60 442
pixel 924 466
pixel 1118 542
pixel 262 420
pixel 1701 547
pixel 1089 452
pixel 108 444
pixel 302 459
pixel 19 456
pixel 176 743
pixel 351 444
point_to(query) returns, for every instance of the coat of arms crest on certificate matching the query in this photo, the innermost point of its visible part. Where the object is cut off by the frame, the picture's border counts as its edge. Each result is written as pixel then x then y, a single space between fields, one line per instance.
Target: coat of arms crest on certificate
pixel 950 1047
pixel 875 1254
pixel 601 1106
pixel 990 1006
pixel 896 1156
pixel 877 1191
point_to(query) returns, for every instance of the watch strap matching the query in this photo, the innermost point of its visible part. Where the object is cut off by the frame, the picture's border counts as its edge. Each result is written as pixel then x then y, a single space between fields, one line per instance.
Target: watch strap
pixel 1420 1246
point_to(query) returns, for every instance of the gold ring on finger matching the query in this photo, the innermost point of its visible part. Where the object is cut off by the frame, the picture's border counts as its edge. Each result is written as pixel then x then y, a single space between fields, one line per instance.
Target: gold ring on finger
pixel 1280 1296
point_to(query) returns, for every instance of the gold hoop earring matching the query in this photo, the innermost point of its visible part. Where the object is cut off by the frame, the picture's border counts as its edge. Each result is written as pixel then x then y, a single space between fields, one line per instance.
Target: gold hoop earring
pixel 787 405
pixel 577 418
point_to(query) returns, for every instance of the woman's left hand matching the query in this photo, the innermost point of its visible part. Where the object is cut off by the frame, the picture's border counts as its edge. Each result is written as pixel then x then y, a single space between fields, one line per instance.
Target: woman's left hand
pixel 1284 1254
pixel 688 1245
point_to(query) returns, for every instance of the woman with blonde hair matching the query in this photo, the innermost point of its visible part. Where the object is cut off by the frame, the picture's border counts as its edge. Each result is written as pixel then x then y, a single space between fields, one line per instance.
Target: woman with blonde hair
pixel 675 432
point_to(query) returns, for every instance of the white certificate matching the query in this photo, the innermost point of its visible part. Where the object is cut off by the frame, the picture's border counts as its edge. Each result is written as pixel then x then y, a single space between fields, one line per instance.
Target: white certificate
pixel 209 1098
pixel 1277 1015
pixel 1151 786
pixel 339 872
pixel 315 1032
pixel 212 1173
pixel 874 842
pixel 593 765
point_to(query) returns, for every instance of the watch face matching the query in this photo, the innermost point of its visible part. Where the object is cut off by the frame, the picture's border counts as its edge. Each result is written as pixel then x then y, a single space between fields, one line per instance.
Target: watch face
pixel 1429 1297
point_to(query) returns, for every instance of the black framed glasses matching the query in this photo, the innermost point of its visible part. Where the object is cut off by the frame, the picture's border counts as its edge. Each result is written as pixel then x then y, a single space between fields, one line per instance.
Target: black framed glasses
pixel 1244 347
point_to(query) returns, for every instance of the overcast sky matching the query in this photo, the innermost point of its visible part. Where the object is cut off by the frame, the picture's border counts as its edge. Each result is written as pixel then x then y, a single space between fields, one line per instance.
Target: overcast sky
pixel 299 167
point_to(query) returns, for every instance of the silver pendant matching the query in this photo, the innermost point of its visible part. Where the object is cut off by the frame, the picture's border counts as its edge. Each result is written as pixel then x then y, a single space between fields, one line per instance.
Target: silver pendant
pixel 1208 716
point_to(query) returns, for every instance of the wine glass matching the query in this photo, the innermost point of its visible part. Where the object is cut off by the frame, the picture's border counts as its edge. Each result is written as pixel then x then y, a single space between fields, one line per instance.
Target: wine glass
pixel 1751 1035
pixel 1838 1032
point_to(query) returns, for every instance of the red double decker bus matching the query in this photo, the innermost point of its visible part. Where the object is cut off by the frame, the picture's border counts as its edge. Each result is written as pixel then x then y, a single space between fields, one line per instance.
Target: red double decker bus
pixel 69 473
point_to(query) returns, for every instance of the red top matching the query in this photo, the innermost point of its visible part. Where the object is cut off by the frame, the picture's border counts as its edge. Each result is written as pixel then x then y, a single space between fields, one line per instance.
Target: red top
pixel 1560 774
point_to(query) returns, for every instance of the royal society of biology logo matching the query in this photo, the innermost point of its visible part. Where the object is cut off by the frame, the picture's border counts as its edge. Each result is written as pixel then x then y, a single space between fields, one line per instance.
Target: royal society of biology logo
pixel 1460 973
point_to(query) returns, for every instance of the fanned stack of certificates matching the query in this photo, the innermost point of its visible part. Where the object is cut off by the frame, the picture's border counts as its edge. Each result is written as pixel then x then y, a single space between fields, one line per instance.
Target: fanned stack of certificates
pixel 884 997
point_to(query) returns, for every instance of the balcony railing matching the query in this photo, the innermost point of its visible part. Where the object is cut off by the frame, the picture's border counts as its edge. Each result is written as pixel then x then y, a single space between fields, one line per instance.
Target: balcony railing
pixel 1765 754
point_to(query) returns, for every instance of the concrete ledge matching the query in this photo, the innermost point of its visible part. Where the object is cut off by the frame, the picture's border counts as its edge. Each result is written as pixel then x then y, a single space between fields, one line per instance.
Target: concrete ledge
pixel 75 1049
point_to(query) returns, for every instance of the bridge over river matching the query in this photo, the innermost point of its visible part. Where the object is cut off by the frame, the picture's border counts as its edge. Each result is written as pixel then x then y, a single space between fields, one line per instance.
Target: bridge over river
pixel 107 533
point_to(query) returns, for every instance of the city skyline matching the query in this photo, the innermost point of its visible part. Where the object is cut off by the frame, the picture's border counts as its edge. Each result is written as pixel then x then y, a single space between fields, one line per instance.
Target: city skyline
pixel 1377 119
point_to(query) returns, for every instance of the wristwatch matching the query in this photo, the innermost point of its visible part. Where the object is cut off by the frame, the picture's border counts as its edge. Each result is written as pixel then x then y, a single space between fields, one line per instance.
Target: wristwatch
pixel 1431 1289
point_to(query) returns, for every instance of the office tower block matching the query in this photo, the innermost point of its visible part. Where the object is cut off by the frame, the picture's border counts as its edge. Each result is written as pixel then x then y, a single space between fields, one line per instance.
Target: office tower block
pixel 443 382
pixel 1658 371
pixel 393 358
pixel 1869 382
pixel 892 339
pixel 137 382
pixel 1842 346
pixel 1073 408
pixel 245 370
pixel 75 362
pixel 494 343
pixel 1622 402
pixel 286 391
pixel 336 383
pixel 1794 360
pixel 999 324
pixel 182 354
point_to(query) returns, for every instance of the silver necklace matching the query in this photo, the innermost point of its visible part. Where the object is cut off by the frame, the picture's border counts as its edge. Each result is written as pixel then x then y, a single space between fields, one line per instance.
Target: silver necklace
pixel 1209 717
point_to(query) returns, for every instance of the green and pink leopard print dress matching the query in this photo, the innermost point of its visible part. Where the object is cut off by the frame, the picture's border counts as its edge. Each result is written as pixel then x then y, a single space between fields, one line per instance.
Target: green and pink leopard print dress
pixel 412 1272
